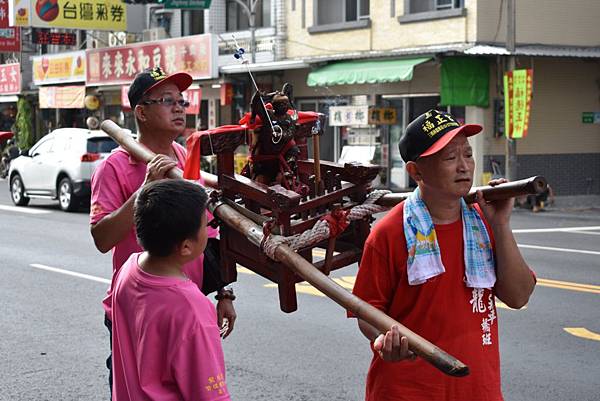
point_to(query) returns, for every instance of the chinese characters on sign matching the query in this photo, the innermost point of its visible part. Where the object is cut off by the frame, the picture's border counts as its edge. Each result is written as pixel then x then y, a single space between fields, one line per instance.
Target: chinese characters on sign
pixel 518 86
pixel 43 36
pixel 196 55
pixel 348 115
pixel 378 115
pixel 10 79
pixel 59 68
pixel 361 115
pixel 10 40
pixel 108 15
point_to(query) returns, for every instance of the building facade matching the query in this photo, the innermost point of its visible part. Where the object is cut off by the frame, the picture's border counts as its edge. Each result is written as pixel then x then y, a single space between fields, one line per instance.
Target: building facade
pixel 370 65
pixel 557 40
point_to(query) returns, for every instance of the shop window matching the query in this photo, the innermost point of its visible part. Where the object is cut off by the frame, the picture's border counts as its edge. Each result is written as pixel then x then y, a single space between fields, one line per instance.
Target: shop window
pixel 327 16
pixel 422 10
pixel 237 19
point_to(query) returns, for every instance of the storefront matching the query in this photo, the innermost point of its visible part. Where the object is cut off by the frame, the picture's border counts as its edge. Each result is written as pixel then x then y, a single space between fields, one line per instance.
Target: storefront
pixel 61 90
pixel 368 105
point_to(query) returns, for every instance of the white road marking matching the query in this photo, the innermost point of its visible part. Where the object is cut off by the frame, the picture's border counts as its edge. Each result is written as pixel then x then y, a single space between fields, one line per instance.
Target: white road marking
pixel 70 273
pixel 549 248
pixel 21 209
pixel 555 230
pixel 584 232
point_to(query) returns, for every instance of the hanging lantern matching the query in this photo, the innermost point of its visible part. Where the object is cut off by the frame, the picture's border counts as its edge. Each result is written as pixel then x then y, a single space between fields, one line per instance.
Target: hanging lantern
pixel 91 102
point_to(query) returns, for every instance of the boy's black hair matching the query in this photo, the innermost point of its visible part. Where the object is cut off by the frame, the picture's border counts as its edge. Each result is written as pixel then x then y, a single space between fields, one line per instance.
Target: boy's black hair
pixel 166 213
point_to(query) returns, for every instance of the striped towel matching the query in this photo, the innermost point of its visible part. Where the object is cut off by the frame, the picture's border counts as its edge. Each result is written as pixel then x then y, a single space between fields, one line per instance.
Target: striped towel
pixel 424 258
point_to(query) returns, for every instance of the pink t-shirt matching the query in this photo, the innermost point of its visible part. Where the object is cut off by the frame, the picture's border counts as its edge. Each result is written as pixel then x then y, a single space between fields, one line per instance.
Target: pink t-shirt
pixel 166 343
pixel 113 183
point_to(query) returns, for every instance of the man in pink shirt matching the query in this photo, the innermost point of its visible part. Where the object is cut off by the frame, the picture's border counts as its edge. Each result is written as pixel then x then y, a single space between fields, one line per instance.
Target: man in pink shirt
pixel 166 342
pixel 159 110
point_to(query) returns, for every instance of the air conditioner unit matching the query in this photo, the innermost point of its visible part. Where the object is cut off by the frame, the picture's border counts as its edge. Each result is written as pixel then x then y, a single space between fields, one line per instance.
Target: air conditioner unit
pixel 154 34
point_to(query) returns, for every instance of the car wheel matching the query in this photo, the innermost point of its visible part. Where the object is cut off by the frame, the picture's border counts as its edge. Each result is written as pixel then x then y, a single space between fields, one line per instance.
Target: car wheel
pixel 68 201
pixel 17 191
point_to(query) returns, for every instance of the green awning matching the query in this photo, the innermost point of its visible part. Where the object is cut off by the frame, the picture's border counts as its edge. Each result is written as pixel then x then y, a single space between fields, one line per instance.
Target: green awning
pixel 364 72
pixel 465 82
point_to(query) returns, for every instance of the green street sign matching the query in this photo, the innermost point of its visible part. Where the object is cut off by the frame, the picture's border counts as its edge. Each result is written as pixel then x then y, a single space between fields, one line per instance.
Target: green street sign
pixel 587 117
pixel 189 4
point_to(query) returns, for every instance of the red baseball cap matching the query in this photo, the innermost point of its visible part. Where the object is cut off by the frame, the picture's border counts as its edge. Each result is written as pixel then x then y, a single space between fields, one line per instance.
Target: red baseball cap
pixel 431 132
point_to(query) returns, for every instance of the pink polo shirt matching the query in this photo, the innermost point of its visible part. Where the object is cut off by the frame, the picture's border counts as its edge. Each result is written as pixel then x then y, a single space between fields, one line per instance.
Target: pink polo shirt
pixel 113 182
pixel 166 343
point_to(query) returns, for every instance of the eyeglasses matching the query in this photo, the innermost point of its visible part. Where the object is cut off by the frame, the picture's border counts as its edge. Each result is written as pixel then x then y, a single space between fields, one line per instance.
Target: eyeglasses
pixel 167 101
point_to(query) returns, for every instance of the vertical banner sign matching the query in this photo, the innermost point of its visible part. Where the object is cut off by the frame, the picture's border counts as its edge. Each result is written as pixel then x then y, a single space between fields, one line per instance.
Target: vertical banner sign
pixel 518 85
pixel 10 37
pixel 10 79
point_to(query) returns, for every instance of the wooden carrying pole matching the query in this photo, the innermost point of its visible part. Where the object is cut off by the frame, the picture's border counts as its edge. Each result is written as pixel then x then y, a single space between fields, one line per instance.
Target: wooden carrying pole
pixel 528 186
pixel 433 354
pixel 361 309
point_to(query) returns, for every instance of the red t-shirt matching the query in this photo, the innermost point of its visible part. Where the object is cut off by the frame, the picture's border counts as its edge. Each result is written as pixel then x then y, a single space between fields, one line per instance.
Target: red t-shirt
pixel 460 320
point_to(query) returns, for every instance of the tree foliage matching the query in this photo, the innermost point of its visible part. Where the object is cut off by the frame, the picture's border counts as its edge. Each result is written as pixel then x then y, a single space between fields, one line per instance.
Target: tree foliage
pixel 23 127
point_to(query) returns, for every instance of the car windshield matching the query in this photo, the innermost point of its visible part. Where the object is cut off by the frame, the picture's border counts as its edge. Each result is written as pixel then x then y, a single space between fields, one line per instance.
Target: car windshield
pixel 101 145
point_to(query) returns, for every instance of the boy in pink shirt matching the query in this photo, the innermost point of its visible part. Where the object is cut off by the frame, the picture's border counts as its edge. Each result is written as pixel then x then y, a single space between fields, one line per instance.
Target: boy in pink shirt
pixel 166 342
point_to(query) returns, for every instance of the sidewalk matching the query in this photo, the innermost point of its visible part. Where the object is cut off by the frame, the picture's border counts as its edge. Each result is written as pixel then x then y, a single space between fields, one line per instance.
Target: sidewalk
pixel 579 207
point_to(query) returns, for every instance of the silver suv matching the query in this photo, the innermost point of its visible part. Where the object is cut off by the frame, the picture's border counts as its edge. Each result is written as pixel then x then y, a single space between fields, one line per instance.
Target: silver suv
pixel 59 166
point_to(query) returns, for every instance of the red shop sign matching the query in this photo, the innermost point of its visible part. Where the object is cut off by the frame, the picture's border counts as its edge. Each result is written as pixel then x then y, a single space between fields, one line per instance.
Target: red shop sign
pixel 197 55
pixel 10 79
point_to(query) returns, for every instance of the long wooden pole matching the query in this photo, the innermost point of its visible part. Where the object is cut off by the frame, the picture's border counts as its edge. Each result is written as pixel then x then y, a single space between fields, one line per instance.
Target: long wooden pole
pixel 361 309
pixel 528 186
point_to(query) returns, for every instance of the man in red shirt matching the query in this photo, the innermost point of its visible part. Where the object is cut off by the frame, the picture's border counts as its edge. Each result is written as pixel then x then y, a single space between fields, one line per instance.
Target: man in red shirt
pixel 436 264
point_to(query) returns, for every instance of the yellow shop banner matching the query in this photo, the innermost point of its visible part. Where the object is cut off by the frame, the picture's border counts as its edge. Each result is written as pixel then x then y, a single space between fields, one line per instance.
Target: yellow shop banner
pixel 74 14
pixel 61 97
pixel 59 68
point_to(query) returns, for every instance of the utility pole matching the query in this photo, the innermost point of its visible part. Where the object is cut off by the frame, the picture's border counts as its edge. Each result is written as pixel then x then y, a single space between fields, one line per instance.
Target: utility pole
pixel 249 8
pixel 510 170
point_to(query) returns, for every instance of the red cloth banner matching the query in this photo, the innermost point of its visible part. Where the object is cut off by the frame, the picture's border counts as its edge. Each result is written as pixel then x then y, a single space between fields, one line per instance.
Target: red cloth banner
pixel 10 79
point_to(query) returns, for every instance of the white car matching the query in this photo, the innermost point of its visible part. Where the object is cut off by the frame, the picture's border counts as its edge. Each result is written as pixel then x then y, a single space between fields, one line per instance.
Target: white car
pixel 59 166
